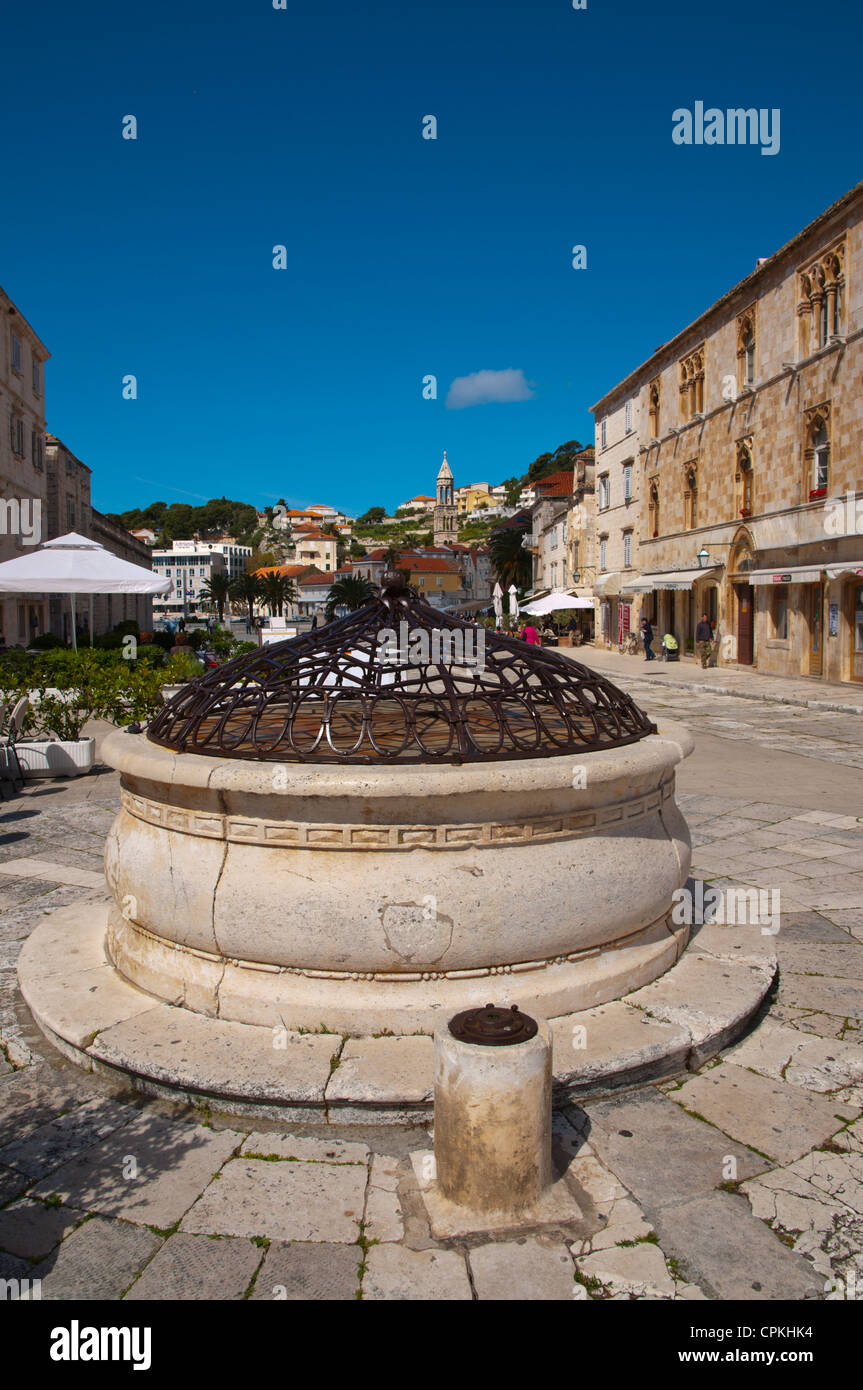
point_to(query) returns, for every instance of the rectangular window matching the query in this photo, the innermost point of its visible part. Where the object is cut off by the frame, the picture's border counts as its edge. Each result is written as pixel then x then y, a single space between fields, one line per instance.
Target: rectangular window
pixel 629 417
pixel 70 513
pixel 627 549
pixel 627 482
pixel 603 554
pixel 16 353
pixel 780 612
pixel 603 492
pixel 37 377
pixel 602 434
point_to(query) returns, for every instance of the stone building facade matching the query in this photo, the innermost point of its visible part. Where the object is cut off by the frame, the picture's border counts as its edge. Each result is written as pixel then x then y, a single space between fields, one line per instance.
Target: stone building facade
pixel 69 508
pixel 746 464
pixel 22 464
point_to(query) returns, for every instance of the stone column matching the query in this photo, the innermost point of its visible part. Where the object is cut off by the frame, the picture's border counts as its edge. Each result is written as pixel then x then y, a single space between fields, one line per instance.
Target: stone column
pixel 492 1121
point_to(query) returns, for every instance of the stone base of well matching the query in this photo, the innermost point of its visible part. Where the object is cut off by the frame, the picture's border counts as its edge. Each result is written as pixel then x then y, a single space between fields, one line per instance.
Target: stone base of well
pixel 104 1023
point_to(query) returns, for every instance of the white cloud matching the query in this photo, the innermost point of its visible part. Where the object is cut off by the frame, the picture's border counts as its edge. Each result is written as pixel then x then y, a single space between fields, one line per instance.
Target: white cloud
pixel 486 388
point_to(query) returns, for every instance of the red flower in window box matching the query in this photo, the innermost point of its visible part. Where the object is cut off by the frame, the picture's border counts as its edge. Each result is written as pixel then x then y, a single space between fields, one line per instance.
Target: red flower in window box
pixel 745 511
pixel 817 492
pixel 655 534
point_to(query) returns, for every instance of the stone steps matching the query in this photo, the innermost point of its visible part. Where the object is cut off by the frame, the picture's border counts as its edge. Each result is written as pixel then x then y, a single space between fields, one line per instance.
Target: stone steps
pixel 101 1022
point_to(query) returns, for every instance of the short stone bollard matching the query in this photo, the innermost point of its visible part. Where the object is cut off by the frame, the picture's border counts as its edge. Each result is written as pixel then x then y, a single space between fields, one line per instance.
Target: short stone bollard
pixel 492 1109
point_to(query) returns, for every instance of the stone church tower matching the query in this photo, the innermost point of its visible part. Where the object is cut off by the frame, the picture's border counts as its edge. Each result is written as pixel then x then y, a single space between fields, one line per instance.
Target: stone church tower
pixel 445 512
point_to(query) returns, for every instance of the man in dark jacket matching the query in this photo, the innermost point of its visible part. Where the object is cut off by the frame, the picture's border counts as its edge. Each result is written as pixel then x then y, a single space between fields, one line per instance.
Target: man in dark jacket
pixel 647 638
pixel 704 640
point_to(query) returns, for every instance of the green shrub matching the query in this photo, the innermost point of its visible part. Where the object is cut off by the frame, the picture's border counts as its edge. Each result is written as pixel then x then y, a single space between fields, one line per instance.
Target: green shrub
pixel 183 666
pixel 47 641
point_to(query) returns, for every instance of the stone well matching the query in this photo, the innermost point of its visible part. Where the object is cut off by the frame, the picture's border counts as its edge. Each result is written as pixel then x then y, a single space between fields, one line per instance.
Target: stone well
pixel 372 827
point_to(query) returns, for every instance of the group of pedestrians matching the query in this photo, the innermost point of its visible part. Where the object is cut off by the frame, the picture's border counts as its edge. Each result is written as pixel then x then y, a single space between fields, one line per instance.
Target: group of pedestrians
pixel 671 651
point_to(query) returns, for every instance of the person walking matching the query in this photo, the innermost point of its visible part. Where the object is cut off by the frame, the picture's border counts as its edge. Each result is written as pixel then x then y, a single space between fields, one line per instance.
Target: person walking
pixel 704 641
pixel 647 638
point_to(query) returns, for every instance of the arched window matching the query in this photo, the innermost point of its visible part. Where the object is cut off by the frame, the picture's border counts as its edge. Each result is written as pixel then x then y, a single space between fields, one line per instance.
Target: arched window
pixel 692 385
pixel 818 451
pixel 653 507
pixel 743 478
pixel 654 414
pixel 746 350
pixel 820 304
pixel 690 497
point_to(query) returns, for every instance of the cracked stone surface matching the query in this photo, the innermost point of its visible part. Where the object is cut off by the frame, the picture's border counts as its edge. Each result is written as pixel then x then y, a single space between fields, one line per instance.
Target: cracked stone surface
pixel 668 1197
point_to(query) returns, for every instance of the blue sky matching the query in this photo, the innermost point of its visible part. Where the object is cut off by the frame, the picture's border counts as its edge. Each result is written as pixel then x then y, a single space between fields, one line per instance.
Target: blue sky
pixel 405 256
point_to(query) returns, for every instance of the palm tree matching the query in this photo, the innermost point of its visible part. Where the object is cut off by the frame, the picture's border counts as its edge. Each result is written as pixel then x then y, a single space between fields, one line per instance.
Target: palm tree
pixel 510 560
pixel 351 593
pixel 247 589
pixel 216 591
pixel 278 591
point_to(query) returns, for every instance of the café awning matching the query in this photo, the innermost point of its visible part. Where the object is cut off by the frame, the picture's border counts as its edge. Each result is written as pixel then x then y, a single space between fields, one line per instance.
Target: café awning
pixel 607 585
pixel 676 579
pixel 790 574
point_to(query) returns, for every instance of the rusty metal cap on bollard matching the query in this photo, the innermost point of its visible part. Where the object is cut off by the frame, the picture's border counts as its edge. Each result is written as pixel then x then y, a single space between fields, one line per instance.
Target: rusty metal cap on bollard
pixel 494 1026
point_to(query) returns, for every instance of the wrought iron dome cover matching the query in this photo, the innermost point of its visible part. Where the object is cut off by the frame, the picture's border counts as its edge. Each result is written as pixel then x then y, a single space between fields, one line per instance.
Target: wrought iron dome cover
pixel 398 682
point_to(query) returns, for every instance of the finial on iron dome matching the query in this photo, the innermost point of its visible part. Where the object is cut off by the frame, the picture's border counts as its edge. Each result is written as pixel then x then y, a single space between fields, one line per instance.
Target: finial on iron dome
pixel 394 587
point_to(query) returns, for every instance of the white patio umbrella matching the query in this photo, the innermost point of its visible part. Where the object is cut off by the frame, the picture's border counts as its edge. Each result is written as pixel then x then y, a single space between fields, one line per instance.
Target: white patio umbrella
pixel 497 595
pixel 513 602
pixel 73 565
pixel 550 603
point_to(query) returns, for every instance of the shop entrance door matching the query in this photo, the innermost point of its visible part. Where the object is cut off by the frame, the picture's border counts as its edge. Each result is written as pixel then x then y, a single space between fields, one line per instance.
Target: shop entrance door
pixel 744 624
pixel 816 632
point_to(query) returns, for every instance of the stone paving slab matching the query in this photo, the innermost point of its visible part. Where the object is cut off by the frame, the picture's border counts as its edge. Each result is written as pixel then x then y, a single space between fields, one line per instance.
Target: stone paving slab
pixel 557 1205
pixel 304 1149
pixel 75 1007
pixel 613 1045
pixel 282 1200
pixel 33 867
pixel 53 1143
pixel 171 1164
pixel 828 994
pixel 299 1273
pixel 720 1245
pixel 531 1269
pixel 788 1055
pixel 11 1184
pixel 192 1053
pixel 661 1154
pixel 31 1229
pixel 713 997
pixel 379 1071
pixel 838 961
pixel 194 1268
pixel 640 1271
pixel 35 1097
pixel 395 1273
pixel 770 1116
pixel 97 1261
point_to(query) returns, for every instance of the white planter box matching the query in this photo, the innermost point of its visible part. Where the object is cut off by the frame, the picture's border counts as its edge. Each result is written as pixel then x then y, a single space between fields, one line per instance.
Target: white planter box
pixel 53 758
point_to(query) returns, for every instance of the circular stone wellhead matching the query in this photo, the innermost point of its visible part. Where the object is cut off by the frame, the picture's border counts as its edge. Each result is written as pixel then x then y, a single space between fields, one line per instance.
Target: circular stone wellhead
pixel 327 835
pixel 493 1026
pixel 399 681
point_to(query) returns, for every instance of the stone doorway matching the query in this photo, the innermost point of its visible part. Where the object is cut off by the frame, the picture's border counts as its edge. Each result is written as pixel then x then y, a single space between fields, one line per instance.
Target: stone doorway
pixel 745 624
pixel 816 629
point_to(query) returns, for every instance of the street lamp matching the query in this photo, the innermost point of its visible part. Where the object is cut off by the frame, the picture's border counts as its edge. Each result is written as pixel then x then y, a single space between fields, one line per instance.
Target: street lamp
pixel 703 557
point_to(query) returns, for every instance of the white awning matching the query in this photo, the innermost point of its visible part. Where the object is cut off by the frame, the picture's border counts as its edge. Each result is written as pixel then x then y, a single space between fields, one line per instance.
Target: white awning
pixel 790 574
pixel 849 567
pixel 607 585
pixel 677 579
pixel 636 584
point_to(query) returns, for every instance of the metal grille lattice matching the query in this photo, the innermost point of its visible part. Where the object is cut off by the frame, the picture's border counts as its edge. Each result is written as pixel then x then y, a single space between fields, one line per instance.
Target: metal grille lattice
pixel 398 681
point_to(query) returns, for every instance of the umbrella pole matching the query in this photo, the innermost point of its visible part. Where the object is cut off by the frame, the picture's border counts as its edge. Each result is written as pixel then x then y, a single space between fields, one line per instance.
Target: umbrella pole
pixel 74 633
pixel 91 620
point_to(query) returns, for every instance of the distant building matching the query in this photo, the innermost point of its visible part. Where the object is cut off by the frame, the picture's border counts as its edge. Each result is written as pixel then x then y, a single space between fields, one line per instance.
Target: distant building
pixel 446 511
pixel 22 463
pixel 189 565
